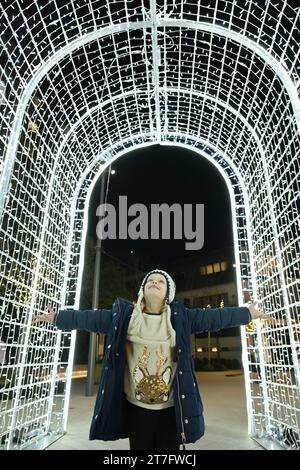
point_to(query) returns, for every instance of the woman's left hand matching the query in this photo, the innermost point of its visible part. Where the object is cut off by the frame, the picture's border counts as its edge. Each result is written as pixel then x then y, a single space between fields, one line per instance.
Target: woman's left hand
pixel 256 313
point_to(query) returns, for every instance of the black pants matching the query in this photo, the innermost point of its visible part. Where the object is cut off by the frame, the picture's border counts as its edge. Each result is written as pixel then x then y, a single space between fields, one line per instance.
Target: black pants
pixel 152 429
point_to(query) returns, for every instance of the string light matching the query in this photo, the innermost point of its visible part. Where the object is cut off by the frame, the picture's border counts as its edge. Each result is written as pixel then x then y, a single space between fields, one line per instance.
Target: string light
pixel 83 84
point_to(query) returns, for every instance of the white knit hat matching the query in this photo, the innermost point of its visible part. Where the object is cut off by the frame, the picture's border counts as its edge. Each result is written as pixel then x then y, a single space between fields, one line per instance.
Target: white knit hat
pixel 137 315
pixel 171 286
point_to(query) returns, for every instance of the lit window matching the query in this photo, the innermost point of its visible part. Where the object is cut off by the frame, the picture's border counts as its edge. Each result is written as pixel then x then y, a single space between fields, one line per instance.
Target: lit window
pixel 217 267
pixel 209 269
pixel 202 270
pixel 224 266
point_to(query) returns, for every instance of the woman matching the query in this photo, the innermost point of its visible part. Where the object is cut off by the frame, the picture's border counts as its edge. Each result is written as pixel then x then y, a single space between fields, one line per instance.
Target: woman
pixel 148 390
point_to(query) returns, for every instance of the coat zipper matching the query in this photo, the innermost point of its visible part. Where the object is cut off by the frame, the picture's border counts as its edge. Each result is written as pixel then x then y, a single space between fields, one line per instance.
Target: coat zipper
pixel 181 417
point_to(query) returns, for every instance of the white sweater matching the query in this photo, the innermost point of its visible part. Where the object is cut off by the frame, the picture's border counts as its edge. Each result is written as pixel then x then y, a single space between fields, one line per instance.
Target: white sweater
pixel 150 364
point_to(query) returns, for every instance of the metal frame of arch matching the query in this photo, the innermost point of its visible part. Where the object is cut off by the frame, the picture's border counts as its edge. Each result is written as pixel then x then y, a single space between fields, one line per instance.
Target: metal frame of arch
pixel 220 79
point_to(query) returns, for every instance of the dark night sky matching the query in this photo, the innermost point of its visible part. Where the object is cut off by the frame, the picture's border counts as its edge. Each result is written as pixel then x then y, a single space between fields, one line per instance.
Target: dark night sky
pixel 160 174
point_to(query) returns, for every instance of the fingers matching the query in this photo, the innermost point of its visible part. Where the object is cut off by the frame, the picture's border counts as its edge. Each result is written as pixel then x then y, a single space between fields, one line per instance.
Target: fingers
pixel 262 314
pixel 256 313
pixel 269 318
pixel 45 316
pixel 266 316
pixel 38 318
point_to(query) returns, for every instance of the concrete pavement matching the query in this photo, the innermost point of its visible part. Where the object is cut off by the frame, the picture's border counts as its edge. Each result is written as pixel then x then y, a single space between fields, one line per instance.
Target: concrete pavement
pixel 224 410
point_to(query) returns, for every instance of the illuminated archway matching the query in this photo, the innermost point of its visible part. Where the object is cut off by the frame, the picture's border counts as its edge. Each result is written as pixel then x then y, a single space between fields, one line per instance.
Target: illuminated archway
pixel 84 83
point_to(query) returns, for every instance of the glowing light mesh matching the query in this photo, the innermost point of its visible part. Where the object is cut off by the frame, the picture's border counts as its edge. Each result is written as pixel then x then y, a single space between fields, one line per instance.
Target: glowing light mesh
pixel 84 81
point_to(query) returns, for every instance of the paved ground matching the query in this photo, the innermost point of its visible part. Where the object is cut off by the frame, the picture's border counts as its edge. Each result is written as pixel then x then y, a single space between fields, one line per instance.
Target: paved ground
pixel 225 415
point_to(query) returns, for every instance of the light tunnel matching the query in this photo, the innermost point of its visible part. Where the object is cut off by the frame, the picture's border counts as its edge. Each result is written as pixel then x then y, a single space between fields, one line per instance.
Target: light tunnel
pixel 85 82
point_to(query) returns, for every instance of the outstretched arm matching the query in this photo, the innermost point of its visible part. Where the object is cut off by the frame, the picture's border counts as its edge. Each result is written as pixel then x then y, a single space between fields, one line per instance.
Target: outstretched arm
pixel 214 319
pixel 97 321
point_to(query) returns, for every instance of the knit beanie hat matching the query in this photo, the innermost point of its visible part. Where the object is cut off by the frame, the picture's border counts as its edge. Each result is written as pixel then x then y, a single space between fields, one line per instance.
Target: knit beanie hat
pixel 137 315
pixel 171 287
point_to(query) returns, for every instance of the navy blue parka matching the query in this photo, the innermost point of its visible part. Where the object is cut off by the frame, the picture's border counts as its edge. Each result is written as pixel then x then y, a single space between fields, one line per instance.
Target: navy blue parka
pixel 109 420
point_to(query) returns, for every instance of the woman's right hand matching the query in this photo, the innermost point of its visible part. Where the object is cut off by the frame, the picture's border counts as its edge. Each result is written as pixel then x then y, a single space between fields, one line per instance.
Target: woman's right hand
pixel 48 317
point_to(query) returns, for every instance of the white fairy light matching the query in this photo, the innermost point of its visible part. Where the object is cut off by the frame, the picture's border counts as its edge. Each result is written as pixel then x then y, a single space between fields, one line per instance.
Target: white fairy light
pixel 85 82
